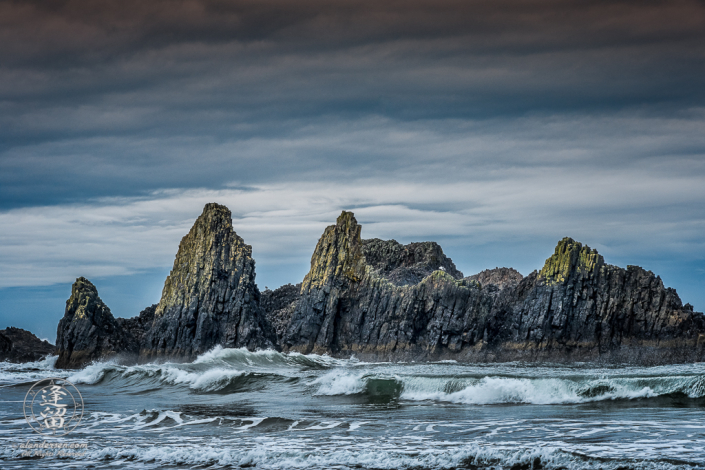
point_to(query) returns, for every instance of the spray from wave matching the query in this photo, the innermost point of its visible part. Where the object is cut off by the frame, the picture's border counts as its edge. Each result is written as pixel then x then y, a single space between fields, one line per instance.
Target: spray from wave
pixel 500 390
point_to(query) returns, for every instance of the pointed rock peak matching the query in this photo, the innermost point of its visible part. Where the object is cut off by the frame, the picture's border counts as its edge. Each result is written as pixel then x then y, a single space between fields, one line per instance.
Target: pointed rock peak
pixel 83 285
pixel 215 217
pixel 338 253
pixel 347 226
pixel 84 301
pixel 346 220
pixel 569 258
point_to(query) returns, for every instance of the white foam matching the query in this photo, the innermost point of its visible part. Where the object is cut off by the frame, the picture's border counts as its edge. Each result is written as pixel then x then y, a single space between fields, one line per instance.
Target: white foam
pixel 284 454
pixel 339 382
pixel 92 373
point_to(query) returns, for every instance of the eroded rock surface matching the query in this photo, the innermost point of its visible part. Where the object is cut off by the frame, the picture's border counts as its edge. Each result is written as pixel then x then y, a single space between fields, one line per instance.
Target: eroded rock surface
pixel 18 345
pixel 278 306
pixel 210 298
pixel 576 308
pixel 404 265
pixel 88 331
pixel 499 277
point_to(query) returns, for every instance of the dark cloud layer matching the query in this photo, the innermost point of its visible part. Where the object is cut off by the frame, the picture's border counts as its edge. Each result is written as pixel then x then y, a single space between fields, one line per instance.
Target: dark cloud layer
pixel 79 79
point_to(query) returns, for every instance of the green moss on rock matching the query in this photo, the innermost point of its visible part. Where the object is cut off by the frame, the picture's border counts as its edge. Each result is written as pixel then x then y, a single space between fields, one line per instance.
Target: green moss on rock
pixel 569 258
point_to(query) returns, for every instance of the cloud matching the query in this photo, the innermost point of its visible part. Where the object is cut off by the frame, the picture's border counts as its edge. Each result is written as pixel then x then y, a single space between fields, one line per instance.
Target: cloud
pixel 637 211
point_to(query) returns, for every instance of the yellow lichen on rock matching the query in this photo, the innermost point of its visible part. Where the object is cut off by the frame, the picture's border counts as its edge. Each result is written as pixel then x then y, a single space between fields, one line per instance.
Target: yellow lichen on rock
pixel 570 256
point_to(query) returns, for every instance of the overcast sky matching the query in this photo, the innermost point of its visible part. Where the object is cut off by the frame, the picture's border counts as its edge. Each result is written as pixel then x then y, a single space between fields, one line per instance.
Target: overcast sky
pixel 493 127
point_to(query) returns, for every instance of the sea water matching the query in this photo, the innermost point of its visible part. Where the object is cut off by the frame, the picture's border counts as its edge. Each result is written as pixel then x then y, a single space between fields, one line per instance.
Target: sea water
pixel 231 408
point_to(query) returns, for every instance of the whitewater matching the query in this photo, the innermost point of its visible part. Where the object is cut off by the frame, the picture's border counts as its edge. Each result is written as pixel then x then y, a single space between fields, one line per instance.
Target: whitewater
pixel 231 408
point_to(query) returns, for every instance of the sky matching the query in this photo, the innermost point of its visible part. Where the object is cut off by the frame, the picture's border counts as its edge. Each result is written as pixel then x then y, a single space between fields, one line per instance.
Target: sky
pixel 495 128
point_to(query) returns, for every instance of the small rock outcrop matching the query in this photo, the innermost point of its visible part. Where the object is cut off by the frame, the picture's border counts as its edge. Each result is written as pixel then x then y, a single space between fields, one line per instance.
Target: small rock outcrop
pixel 404 265
pixel 210 298
pixel 18 345
pixel 88 331
pixel 278 306
pixel 498 277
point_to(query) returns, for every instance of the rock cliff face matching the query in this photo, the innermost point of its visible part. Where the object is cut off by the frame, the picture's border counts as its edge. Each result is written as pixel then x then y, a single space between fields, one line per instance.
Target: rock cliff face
pixel 578 307
pixel 350 306
pixel 358 299
pixel 88 331
pixel 278 306
pixel 384 300
pixel 18 345
pixel 210 297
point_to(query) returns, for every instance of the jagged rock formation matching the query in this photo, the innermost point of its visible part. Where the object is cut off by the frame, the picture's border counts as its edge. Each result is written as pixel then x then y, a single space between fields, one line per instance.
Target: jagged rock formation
pixel 88 331
pixel 18 345
pixel 349 306
pixel 404 265
pixel 210 297
pixel 138 326
pixel 576 308
pixel 384 300
pixel 278 306
pixel 582 308
pixel 499 277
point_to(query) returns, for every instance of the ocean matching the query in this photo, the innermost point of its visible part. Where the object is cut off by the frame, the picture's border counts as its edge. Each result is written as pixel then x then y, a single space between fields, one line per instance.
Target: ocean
pixel 231 408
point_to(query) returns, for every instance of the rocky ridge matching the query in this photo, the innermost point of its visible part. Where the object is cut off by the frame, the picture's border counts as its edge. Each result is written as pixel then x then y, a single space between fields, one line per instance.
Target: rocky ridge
pixel 18 345
pixel 575 308
pixel 382 300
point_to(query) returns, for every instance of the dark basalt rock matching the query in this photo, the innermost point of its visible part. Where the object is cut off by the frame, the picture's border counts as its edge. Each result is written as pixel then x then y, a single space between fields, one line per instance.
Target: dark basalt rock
pixel 18 345
pixel 278 306
pixel 88 331
pixel 406 264
pixel 384 300
pixel 138 326
pixel 348 306
pixel 210 298
pixel 499 277
pixel 576 308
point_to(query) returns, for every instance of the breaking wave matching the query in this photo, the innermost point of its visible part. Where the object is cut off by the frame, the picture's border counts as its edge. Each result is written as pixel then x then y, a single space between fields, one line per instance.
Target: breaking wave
pixel 224 371
pixel 11 373
pixel 499 390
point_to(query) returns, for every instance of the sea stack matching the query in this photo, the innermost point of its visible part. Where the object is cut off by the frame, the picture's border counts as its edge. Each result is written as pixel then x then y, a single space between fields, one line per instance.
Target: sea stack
pixel 210 297
pixel 382 300
pixel 88 331
pixel 578 307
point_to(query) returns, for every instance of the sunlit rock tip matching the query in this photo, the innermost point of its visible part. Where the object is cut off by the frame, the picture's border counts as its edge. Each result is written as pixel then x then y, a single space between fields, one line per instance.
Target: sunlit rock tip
pixel 570 258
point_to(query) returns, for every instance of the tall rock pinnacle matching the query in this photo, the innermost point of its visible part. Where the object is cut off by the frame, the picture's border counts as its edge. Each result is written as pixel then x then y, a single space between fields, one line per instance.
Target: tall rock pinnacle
pixel 210 297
